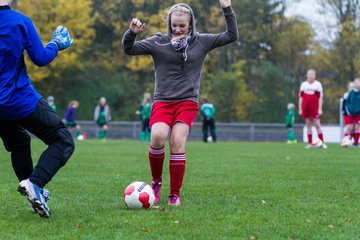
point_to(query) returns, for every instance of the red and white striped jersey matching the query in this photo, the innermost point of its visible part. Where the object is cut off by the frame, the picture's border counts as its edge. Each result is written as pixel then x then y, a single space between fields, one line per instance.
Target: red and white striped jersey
pixel 310 93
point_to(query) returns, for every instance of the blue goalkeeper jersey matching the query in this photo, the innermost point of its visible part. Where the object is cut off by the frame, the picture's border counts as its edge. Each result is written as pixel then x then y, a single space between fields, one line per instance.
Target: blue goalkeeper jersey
pixel 18 98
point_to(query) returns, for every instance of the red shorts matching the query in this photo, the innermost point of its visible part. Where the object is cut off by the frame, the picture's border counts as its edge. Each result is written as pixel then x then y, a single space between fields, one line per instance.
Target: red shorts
pixel 310 115
pixel 355 119
pixel 347 120
pixel 173 112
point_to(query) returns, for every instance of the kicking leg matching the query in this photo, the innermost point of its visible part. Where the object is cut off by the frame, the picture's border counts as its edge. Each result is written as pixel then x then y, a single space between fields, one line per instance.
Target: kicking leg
pixel 159 134
pixel 47 126
pixel 177 164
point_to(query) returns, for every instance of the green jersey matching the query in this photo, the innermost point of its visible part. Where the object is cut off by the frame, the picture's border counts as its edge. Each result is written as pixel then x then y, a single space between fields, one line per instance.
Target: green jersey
pixel 208 111
pixel 146 111
pixel 290 117
pixel 53 106
pixel 102 116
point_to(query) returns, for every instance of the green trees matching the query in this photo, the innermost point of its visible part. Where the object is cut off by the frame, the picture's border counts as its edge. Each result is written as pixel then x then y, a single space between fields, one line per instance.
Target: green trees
pixel 338 62
pixel 227 90
pixel 345 49
pixel 250 80
pixel 47 15
pixel 56 79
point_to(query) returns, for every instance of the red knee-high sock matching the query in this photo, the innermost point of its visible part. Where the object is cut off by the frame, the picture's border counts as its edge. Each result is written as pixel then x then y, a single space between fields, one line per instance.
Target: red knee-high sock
pixel 356 137
pixel 156 159
pixel 321 136
pixel 310 138
pixel 177 171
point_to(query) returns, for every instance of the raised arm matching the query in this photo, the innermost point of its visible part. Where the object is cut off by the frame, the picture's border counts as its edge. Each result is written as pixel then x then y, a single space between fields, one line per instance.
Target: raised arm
pixel 40 55
pixel 132 47
pixel 211 41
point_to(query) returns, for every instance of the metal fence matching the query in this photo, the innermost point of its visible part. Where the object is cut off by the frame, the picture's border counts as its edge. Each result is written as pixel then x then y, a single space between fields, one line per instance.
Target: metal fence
pixel 251 132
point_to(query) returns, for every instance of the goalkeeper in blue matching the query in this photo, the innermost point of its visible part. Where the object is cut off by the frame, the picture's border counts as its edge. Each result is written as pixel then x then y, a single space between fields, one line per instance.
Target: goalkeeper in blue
pixel 23 110
pixel 290 121
pixel 208 116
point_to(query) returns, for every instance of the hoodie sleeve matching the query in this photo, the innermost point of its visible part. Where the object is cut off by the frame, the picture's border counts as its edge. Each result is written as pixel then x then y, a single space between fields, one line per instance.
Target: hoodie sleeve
pixel 132 47
pixel 211 41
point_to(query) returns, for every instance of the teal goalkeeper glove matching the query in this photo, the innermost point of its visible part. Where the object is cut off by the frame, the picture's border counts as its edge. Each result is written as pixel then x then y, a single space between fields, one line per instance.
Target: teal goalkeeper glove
pixel 61 37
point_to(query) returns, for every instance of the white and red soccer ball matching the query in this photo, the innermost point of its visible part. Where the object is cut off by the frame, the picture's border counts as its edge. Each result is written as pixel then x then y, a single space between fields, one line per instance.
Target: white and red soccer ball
pixel 318 144
pixel 346 142
pixel 139 195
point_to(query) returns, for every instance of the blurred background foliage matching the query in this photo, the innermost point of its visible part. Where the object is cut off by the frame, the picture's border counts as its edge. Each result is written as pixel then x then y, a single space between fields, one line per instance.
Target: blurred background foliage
pixel 250 80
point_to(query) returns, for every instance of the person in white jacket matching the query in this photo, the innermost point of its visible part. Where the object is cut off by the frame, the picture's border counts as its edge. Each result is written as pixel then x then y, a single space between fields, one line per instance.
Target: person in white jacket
pixel 102 117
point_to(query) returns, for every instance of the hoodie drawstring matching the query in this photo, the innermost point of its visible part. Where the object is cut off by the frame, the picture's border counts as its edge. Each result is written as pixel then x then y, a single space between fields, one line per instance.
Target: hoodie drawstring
pixel 162 44
pixel 185 54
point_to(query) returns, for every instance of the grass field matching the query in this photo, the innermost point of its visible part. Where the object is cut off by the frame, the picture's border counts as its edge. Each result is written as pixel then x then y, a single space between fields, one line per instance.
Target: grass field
pixel 231 191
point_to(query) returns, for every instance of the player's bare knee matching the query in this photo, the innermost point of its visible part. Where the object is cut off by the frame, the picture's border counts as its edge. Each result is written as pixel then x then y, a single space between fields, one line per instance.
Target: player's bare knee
pixel 159 138
pixel 177 143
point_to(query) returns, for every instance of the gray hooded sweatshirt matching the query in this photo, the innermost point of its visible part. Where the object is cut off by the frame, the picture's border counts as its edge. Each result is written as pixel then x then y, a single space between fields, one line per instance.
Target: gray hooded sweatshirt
pixel 178 73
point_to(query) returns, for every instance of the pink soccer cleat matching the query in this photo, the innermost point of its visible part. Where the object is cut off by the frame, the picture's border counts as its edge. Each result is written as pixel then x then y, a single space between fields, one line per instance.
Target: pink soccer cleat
pixel 156 186
pixel 174 200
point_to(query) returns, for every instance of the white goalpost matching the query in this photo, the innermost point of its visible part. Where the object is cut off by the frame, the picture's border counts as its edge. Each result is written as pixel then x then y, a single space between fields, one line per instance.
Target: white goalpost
pixel 341 119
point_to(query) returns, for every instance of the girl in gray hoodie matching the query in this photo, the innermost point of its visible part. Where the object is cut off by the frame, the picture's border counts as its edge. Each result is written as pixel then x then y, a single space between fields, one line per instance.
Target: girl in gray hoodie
pixel 178 58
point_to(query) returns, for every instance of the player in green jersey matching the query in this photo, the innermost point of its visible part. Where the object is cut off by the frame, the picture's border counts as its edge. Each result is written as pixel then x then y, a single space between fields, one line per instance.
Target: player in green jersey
pixel 51 102
pixel 102 117
pixel 208 115
pixel 145 114
pixel 290 121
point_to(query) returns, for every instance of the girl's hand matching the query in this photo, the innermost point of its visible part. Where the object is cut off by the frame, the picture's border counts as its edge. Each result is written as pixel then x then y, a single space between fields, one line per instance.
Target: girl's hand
pixel 136 26
pixel 225 3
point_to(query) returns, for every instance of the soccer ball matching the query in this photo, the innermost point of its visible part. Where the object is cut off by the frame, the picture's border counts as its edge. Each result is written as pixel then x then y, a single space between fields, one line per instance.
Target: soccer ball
pixel 139 195
pixel 346 142
pixel 209 139
pixel 318 144
pixel 80 137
